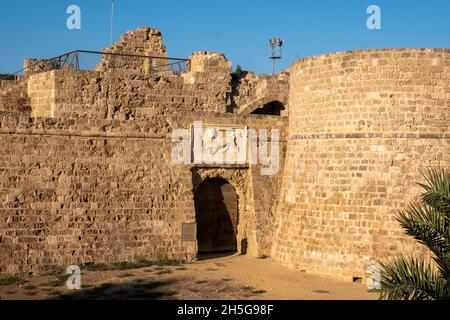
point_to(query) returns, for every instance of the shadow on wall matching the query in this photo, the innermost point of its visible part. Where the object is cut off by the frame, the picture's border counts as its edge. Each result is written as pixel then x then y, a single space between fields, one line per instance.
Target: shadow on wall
pixel 215 255
pixel 216 210
pixel 273 108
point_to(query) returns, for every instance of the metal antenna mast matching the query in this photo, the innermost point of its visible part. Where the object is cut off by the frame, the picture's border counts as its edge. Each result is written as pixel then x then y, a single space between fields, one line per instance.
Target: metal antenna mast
pixel 112 23
pixel 275 51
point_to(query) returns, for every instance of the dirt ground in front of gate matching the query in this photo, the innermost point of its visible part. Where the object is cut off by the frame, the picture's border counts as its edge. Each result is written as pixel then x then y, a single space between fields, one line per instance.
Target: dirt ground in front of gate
pixel 227 277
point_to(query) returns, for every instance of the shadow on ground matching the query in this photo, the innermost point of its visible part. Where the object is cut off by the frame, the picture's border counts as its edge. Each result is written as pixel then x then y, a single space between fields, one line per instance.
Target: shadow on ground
pixel 215 255
pixel 137 290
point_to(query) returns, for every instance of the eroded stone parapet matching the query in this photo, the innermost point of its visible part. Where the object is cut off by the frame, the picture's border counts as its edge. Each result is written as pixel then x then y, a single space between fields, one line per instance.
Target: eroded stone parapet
pixel 124 87
pixel 143 41
pixel 211 62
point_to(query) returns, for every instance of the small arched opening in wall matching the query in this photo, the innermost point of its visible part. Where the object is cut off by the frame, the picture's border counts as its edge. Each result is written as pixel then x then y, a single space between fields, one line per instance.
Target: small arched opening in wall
pixel 273 108
pixel 217 216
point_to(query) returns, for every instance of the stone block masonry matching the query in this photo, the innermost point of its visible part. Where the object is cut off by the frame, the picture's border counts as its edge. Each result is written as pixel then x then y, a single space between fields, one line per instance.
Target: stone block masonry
pixel 86 174
pixel 89 178
pixel 84 194
pixel 14 97
pixel 143 41
pixel 74 191
pixel 362 125
pixel 124 95
pixel 42 93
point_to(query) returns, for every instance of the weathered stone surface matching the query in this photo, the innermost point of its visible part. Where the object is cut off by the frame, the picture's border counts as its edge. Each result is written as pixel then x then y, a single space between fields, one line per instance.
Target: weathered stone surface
pixel 143 41
pixel 75 191
pixel 13 96
pixel 362 125
pixel 86 175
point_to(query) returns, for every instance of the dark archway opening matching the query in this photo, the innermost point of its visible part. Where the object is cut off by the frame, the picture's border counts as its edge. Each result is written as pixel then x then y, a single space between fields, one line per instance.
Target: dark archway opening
pixel 216 210
pixel 273 108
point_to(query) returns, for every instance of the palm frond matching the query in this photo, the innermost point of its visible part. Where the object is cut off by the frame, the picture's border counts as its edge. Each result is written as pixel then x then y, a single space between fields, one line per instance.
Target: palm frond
pixel 437 190
pixel 411 279
pixel 428 221
pixel 427 225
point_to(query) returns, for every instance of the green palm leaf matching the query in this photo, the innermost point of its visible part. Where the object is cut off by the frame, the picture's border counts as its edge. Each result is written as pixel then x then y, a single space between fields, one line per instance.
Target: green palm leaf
pixel 437 190
pixel 428 222
pixel 411 279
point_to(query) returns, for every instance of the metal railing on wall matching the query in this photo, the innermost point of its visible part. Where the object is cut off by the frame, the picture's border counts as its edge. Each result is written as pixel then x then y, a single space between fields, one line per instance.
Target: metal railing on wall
pixel 80 60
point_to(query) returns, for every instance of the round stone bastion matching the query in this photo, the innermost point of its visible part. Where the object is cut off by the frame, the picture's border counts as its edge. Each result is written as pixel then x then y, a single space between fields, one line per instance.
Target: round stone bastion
pixel 363 125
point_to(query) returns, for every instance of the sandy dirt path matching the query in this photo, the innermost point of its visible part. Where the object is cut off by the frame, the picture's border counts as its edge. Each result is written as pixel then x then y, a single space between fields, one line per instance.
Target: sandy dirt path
pixel 226 278
pixel 282 283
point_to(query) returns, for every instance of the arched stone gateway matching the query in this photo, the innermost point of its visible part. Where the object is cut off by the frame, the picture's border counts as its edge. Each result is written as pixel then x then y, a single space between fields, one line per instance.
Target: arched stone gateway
pixel 267 106
pixel 216 207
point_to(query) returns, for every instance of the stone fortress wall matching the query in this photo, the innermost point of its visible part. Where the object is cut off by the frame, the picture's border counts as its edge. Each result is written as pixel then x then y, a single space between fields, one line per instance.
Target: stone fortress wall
pixel 362 125
pixel 76 191
pixel 86 172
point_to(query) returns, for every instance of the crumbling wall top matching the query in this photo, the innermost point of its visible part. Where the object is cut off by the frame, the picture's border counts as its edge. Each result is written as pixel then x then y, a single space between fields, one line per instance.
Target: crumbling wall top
pixel 143 41
pixel 202 61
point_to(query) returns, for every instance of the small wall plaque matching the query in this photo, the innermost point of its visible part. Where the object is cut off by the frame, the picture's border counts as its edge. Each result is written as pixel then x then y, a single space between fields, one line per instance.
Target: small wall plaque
pixel 189 232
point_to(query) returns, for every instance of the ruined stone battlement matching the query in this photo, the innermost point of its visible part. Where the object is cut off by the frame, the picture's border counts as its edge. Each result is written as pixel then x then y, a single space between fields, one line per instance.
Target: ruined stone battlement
pixel 87 175
pixel 132 87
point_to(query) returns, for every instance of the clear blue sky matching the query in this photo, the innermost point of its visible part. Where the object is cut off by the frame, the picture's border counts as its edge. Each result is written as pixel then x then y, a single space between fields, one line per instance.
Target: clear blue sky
pixel 239 28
